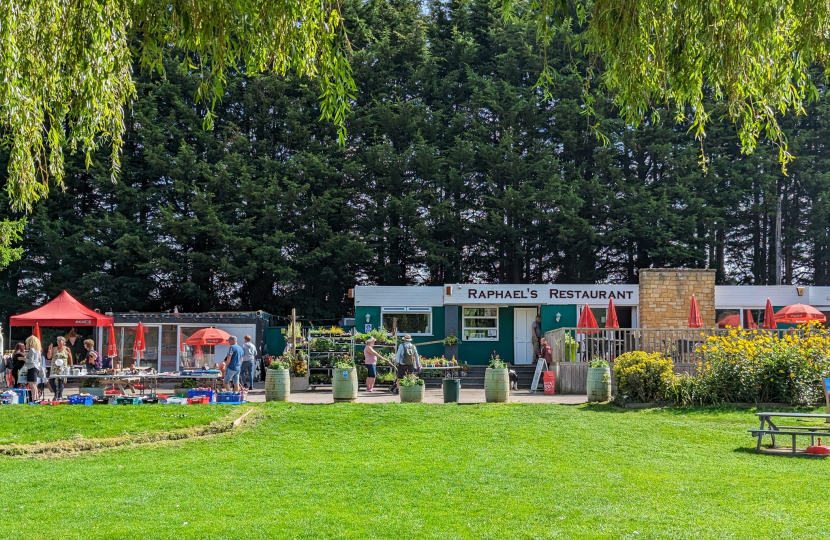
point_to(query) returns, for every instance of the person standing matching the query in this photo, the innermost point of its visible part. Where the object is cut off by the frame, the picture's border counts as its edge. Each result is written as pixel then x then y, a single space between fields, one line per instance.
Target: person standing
pixel 370 358
pixel 33 366
pixel 545 351
pixel 407 359
pixel 536 335
pixel 61 359
pixel 233 365
pixel 18 361
pixel 89 357
pixel 75 344
pixel 248 362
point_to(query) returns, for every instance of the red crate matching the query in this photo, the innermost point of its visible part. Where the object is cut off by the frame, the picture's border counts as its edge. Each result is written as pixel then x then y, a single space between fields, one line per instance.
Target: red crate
pixel 200 400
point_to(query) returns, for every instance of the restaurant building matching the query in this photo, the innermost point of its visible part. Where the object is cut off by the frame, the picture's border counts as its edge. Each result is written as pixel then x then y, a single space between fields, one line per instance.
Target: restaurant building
pixel 489 318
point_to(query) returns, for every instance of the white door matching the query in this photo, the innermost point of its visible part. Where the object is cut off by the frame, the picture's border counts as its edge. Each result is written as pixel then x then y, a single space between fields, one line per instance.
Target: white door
pixel 523 348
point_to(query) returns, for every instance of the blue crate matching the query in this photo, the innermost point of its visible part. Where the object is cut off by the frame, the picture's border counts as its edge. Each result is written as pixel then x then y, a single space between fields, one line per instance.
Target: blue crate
pixel 21 395
pixel 198 393
pixel 231 402
pixel 229 397
pixel 80 400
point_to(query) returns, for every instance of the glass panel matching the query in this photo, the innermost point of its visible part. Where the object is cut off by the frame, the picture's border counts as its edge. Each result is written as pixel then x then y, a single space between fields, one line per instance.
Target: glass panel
pixel 728 317
pixel 195 355
pixel 481 334
pixel 149 357
pixel 481 323
pixel 169 333
pixel 481 312
pixel 408 323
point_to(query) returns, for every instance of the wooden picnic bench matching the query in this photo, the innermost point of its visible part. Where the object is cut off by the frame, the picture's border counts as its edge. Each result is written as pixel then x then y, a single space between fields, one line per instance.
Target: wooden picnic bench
pixel 774 430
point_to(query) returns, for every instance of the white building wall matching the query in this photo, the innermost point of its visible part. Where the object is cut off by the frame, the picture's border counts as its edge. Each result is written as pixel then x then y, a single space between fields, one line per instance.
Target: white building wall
pixel 404 296
pixel 755 296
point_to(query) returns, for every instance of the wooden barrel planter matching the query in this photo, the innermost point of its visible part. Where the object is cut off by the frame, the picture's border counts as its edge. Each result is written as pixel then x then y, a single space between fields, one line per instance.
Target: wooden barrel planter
pixel 344 385
pixel 599 384
pixel 413 394
pixel 496 385
pixel 277 385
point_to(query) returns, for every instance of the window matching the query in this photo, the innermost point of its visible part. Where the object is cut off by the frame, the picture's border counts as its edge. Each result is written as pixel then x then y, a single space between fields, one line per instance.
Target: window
pixel 480 324
pixel 413 321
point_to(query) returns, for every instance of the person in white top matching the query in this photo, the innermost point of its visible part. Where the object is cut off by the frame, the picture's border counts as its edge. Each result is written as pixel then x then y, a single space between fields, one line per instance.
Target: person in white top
pixel 248 359
pixel 34 365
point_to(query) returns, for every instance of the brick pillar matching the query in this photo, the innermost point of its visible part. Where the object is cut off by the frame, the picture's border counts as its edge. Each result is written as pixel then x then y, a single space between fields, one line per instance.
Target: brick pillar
pixel 665 297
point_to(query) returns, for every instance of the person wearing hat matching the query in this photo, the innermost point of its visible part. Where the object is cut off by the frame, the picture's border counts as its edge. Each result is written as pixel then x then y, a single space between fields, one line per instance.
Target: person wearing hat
pixel 407 359
pixel 370 358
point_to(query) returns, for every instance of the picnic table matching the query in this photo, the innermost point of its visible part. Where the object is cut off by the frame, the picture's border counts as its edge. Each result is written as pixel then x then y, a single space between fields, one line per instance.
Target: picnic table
pixel 773 430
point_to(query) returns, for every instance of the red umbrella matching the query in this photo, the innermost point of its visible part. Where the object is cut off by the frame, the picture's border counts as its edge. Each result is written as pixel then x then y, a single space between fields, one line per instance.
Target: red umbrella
pixel 695 320
pixel 799 314
pixel 138 344
pixel 733 321
pixel 36 331
pixel 181 341
pixel 611 320
pixel 209 336
pixel 112 348
pixel 750 322
pixel 769 317
pixel 587 319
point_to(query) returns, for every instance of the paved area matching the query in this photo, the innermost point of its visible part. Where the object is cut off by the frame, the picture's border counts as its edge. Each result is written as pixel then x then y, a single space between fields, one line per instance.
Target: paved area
pixel 433 395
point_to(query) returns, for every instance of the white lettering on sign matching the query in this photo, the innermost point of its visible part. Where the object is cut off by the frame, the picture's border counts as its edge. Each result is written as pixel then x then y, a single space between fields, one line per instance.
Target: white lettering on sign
pixel 83 322
pixel 623 295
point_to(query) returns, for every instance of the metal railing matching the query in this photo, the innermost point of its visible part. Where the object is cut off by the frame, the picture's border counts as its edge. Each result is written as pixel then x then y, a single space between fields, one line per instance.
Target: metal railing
pixel 584 344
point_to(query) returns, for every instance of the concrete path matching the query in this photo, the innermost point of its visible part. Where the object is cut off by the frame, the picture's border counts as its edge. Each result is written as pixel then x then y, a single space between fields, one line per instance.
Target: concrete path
pixel 433 395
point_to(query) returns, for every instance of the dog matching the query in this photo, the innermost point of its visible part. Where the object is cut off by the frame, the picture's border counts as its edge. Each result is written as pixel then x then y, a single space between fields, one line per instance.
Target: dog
pixel 514 379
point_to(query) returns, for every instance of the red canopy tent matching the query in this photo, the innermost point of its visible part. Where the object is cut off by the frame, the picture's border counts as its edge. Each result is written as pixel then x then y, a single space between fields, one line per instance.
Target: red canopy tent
pixel 63 310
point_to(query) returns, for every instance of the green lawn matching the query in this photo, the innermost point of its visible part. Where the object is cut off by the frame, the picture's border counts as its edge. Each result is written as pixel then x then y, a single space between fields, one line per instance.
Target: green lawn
pixel 28 424
pixel 427 471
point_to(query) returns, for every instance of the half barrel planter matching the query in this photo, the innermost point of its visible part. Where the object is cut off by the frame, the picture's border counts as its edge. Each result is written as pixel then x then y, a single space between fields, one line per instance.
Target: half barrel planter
pixel 413 394
pixel 344 385
pixel 496 385
pixel 277 385
pixel 599 384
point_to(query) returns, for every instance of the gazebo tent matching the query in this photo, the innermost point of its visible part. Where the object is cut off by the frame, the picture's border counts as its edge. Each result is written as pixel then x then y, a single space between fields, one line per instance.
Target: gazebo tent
pixel 63 310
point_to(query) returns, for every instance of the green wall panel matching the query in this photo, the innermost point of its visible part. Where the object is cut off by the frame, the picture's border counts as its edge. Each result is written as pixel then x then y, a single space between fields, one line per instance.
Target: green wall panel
pixel 478 352
pixel 567 320
pixel 360 317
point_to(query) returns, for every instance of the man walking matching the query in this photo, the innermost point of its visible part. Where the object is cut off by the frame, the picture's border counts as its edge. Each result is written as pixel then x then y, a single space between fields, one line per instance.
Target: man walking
pixel 407 359
pixel 248 359
pixel 233 364
pixel 536 335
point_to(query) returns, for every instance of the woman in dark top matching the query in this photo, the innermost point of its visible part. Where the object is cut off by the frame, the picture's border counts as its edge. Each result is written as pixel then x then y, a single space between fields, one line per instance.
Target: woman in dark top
pixel 89 357
pixel 76 345
pixel 18 361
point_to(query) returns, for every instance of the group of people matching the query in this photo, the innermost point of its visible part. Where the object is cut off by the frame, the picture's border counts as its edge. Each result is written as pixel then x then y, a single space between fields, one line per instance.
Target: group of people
pixel 407 360
pixel 239 363
pixel 29 367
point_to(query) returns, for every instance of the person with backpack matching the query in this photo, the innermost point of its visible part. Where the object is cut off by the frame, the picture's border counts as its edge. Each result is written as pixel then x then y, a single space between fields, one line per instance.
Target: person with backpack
pixel 407 359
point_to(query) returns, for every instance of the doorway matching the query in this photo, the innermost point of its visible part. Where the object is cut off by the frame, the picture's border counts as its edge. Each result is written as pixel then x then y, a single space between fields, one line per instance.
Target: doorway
pixel 523 346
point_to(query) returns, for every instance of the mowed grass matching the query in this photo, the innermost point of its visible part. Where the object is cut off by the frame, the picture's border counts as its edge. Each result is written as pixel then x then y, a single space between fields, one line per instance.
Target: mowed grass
pixel 24 424
pixel 430 471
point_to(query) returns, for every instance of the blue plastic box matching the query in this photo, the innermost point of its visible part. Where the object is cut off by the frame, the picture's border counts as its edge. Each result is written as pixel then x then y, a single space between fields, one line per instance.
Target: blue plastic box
pixel 80 400
pixel 198 393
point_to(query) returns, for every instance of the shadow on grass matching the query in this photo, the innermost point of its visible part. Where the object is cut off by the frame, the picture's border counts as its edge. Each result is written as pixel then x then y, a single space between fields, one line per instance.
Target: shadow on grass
pixel 610 407
pixel 779 452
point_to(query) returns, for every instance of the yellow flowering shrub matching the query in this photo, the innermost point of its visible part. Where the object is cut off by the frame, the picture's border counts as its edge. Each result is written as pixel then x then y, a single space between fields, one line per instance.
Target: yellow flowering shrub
pixel 756 366
pixel 642 377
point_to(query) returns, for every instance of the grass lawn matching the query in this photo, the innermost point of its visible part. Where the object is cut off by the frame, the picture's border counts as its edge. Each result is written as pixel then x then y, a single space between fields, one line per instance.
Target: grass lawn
pixel 28 424
pixel 423 471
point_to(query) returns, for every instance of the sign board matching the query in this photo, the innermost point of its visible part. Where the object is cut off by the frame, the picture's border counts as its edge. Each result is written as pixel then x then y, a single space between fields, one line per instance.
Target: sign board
pixel 534 295
pixel 368 328
pixel 541 365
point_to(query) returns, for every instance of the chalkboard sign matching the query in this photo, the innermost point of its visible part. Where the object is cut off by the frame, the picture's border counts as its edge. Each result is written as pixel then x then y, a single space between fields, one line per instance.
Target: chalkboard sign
pixel 541 365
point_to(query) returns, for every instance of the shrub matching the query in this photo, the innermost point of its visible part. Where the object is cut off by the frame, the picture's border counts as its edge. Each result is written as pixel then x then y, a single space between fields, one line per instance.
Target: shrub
pixel 642 377
pixel 496 362
pixel 410 379
pixel 279 362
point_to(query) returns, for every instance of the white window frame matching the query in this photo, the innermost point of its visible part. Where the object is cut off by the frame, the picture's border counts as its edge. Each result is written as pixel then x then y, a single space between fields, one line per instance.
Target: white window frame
pixel 464 326
pixel 409 311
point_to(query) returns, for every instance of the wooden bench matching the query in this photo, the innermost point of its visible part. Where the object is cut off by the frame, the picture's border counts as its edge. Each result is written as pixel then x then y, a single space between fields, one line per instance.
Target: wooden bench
pixel 774 430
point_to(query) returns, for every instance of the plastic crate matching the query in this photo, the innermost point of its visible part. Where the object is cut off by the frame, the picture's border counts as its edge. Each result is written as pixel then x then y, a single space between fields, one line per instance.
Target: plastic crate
pixel 176 401
pixel 129 400
pixel 229 397
pixel 198 400
pixel 20 396
pixel 80 400
pixel 211 395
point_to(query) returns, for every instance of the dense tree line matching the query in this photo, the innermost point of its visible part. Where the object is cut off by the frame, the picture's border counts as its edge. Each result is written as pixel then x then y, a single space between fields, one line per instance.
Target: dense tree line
pixel 456 167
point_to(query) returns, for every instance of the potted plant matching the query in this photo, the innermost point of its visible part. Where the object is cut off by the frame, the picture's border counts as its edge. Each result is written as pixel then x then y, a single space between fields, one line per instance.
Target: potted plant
pixel 344 380
pixel 570 348
pixel 299 373
pixel 184 386
pixel 412 389
pixel 451 340
pixel 278 379
pixel 599 380
pixel 496 381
